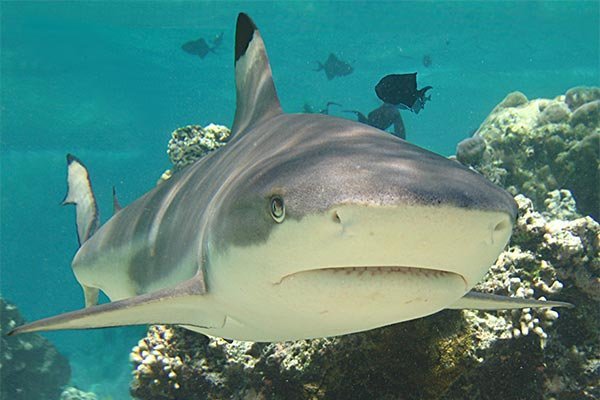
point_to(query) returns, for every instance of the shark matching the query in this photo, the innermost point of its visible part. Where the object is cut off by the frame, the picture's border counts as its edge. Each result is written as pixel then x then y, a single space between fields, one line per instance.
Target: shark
pixel 302 226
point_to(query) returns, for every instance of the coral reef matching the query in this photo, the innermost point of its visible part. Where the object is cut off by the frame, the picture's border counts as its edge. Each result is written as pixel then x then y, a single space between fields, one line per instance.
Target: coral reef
pixel 30 366
pixel 534 147
pixel 173 363
pixel 192 142
pixel 548 255
pixel 470 150
pixel 71 393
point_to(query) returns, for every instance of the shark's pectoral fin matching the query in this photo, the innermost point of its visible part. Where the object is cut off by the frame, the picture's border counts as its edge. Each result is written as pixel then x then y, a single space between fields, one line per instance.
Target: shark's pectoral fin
pixel 80 193
pixel 484 301
pixel 181 305
pixel 255 91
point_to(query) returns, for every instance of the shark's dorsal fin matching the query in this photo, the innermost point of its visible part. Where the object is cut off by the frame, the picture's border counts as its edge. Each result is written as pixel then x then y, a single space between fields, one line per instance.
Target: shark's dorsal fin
pixel 256 96
pixel 80 193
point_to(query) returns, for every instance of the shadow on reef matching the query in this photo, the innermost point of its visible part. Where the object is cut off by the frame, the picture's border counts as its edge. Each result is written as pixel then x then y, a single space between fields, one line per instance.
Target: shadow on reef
pixel 518 354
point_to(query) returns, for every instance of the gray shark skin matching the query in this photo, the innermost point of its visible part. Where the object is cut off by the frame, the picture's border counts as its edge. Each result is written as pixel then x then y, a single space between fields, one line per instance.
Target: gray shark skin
pixel 303 226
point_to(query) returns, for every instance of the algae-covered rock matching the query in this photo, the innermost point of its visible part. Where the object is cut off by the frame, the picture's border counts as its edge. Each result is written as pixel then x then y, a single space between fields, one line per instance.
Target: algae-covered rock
pixel 71 393
pixel 578 96
pixel 588 115
pixel 192 142
pixel 537 146
pixel 470 151
pixel 553 114
pixel 513 99
pixel 30 366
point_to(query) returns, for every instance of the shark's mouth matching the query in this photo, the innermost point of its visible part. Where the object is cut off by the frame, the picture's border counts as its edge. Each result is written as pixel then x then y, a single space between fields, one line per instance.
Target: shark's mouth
pixel 378 271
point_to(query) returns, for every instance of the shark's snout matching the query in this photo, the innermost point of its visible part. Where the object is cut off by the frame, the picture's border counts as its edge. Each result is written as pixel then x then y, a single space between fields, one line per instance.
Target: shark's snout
pixel 445 239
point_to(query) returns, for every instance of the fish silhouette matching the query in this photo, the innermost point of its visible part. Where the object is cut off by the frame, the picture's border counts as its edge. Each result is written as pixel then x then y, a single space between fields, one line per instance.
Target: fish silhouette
pixel 401 91
pixel 201 48
pixel 334 67
pixel 382 118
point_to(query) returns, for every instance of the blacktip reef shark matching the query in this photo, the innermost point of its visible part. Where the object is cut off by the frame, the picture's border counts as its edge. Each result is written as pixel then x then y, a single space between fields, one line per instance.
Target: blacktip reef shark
pixel 302 226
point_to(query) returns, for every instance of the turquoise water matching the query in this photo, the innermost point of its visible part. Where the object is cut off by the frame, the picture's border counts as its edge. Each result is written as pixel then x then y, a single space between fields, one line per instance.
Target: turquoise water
pixel 109 82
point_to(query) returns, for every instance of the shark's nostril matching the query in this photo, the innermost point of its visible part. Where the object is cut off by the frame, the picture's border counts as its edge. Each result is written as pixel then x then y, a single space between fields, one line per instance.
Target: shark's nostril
pixel 501 232
pixel 501 226
pixel 336 217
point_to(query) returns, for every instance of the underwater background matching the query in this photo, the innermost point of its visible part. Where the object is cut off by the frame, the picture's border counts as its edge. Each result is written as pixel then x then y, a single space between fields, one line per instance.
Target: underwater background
pixel 109 82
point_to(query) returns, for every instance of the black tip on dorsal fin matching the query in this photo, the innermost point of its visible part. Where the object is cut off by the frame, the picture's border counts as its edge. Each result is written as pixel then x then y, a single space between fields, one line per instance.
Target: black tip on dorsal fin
pixel 244 31
pixel 71 158
pixel 256 97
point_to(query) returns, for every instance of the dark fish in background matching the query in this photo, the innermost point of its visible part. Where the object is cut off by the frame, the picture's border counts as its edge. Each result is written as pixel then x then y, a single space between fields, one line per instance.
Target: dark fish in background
pixel 334 67
pixel 201 48
pixel 427 61
pixel 382 118
pixel 308 109
pixel 197 47
pixel 401 91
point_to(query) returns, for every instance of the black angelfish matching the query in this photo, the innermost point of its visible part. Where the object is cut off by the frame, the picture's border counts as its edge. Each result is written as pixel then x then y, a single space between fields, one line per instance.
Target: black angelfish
pixel 335 67
pixel 401 90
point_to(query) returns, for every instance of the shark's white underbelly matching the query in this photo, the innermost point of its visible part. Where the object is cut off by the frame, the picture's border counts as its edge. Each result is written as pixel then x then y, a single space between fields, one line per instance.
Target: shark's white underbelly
pixel 374 268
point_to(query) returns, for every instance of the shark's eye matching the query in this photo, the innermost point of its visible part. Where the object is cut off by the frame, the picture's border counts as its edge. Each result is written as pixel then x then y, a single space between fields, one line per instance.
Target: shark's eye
pixel 277 209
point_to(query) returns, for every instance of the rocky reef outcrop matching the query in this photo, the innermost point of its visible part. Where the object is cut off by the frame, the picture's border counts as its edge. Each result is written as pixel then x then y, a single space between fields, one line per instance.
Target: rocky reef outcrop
pixel 30 366
pixel 536 146
pixel 72 393
pixel 192 142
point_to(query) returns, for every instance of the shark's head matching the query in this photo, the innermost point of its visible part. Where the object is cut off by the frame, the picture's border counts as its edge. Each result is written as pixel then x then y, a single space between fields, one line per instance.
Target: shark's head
pixel 328 220
pixel 352 223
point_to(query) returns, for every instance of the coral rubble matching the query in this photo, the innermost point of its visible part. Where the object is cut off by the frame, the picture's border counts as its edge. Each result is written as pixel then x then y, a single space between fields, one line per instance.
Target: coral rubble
pixel 192 142
pixel 536 146
pixel 71 393
pixel 30 366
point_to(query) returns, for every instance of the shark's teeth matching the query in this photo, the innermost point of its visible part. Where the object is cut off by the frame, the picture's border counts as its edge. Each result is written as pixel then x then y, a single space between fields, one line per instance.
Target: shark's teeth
pixel 373 271
pixel 376 271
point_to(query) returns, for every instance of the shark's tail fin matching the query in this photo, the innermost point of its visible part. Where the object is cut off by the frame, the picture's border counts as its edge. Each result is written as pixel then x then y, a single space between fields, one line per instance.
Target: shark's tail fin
pixel 80 193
